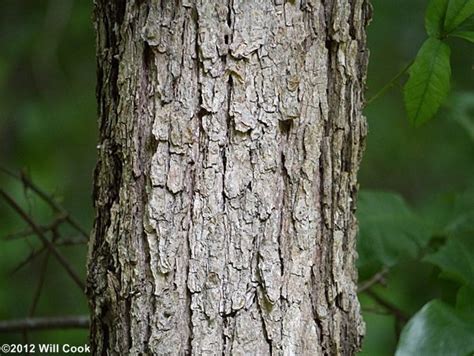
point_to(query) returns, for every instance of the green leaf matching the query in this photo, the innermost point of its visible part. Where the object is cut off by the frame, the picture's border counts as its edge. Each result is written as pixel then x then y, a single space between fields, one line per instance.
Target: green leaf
pixel 389 230
pixel 467 25
pixel 461 224
pixel 437 330
pixel 465 35
pixel 440 211
pixel 429 81
pixel 456 259
pixel 458 11
pixel 434 17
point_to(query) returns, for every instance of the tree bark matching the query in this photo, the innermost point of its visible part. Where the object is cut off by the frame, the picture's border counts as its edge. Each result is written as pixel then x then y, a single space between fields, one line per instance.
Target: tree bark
pixel 230 138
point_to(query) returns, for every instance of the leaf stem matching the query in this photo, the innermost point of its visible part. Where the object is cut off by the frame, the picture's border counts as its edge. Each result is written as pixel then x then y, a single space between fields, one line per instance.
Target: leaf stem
pixel 389 85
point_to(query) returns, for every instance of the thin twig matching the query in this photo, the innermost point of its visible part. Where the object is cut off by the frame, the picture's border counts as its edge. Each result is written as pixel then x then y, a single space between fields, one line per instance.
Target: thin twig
pixel 31 257
pixel 63 322
pixel 389 85
pixel 22 234
pixel 62 260
pixel 70 241
pixel 51 202
pixel 28 232
pixel 38 291
pixel 36 253
pixel 39 287
pixel 375 311
pixel 390 307
pixel 379 277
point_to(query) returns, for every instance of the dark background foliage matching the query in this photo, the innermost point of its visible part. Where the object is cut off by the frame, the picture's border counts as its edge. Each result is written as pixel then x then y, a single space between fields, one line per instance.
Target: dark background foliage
pixel 48 130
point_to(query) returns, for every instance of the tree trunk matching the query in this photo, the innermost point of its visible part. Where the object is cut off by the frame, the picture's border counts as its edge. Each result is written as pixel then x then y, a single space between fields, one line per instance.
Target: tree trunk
pixel 230 137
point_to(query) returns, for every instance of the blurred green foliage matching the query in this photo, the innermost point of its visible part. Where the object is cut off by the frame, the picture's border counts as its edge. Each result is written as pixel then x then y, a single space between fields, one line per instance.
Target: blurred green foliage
pixel 431 229
pixel 48 129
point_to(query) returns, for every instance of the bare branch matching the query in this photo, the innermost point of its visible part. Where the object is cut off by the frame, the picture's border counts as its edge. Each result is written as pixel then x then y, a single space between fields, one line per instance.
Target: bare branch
pixel 21 234
pixel 400 315
pixel 35 253
pixel 39 287
pixel 28 232
pixel 377 278
pixel 50 201
pixel 70 241
pixel 44 239
pixel 31 257
pixel 377 311
pixel 63 322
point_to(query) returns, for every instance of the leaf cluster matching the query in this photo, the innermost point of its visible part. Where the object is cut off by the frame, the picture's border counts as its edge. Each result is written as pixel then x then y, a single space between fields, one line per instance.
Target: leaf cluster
pixel 391 233
pixel 430 74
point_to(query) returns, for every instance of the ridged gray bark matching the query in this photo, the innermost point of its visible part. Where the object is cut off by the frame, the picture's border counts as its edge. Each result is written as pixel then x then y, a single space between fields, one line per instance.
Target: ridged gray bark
pixel 230 138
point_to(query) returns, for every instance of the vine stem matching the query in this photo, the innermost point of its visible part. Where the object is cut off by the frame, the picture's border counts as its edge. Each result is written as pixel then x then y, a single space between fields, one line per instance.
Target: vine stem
pixel 389 85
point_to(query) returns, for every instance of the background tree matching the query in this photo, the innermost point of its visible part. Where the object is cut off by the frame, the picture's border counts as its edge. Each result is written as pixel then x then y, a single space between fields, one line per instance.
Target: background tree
pixel 230 139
